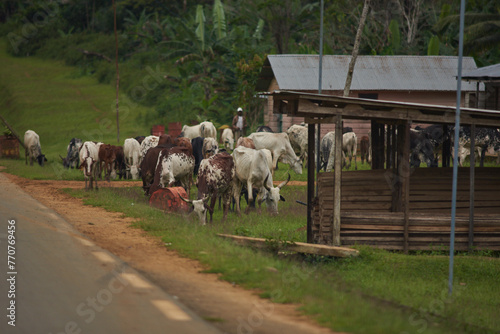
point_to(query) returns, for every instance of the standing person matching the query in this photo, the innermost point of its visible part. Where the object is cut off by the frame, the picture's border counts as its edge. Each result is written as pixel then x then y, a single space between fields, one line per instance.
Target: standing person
pixel 239 125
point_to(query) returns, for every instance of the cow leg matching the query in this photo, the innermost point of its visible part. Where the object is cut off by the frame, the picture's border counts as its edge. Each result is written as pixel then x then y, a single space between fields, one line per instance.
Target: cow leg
pixel 236 196
pixel 226 202
pixel 250 196
pixel 212 205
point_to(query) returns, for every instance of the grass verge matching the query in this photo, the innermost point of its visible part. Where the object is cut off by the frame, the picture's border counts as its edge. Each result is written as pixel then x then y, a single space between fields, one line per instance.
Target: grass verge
pixel 378 292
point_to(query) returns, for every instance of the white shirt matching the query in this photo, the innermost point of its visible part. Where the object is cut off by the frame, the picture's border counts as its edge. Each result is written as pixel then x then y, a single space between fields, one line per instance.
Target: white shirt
pixel 239 123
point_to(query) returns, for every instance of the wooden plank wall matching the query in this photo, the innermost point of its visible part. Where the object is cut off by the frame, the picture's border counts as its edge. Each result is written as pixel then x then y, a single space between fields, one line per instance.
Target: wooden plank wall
pixel 367 217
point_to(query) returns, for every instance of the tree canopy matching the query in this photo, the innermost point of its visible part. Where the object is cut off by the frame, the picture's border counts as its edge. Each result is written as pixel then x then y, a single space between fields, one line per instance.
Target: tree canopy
pixel 205 56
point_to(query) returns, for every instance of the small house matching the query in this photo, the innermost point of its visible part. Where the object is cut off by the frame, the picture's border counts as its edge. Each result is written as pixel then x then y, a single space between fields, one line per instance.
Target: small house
pixel 415 79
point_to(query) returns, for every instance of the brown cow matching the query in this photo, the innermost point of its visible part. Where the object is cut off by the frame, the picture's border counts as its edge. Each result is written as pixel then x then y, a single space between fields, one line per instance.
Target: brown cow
pixel 183 142
pixel 107 157
pixel 148 166
pixel 364 148
pixel 165 140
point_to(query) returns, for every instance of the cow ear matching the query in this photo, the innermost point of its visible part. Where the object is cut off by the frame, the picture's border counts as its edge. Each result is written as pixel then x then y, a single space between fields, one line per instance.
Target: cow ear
pixel 282 198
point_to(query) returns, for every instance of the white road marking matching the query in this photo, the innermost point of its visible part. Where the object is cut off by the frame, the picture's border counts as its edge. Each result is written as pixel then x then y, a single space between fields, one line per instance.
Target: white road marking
pixel 170 310
pixel 104 257
pixel 136 281
pixel 86 242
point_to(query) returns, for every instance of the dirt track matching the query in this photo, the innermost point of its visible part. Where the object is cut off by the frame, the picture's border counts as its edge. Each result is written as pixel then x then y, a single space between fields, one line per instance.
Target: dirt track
pixel 231 308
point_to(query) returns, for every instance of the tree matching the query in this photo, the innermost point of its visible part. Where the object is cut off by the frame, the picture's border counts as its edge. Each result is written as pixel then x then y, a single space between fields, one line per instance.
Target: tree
pixel 355 50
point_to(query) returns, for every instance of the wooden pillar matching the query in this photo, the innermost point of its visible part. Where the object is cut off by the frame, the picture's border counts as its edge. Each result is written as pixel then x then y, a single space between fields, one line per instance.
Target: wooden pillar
pixel 337 183
pixel 310 181
pixel 446 153
pixel 404 175
pixel 389 148
pixel 378 145
pixel 401 182
pixel 472 169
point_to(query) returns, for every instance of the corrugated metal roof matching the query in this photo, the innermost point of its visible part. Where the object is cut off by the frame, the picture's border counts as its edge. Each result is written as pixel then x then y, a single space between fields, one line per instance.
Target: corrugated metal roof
pixel 488 73
pixel 395 73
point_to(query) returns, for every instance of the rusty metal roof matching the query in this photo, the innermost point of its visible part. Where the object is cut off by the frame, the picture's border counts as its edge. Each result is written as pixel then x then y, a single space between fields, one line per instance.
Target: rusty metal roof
pixel 371 73
pixel 488 73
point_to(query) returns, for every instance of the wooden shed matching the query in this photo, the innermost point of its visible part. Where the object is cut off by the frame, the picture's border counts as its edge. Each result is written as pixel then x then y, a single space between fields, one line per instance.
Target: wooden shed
pixel 394 206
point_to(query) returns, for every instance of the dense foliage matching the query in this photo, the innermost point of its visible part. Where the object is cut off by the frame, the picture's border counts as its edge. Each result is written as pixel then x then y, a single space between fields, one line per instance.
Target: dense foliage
pixel 198 60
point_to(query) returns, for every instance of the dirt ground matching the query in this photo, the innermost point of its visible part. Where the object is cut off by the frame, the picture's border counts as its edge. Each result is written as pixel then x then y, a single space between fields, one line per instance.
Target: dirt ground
pixel 230 308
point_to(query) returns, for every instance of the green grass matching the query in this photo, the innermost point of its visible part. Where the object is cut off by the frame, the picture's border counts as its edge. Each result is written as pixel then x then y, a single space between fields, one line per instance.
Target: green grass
pixel 58 104
pixel 378 292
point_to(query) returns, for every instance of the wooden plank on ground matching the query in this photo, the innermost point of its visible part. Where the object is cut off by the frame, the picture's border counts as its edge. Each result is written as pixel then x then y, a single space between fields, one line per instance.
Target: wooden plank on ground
pixel 299 247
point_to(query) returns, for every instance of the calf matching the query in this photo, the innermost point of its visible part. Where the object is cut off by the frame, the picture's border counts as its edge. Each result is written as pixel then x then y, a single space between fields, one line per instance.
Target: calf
pixel 132 151
pixel 33 148
pixel 364 148
pixel 227 139
pixel 72 155
pixel 89 162
pixel 215 178
pixel 107 157
pixel 421 149
pixel 174 164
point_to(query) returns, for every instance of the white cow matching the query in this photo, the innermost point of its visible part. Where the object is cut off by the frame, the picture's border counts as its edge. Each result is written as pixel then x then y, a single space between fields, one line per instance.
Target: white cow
pixel 204 129
pixel 349 148
pixel 208 130
pixel 280 147
pixel 33 148
pixel 298 139
pixel 147 143
pixel 132 152
pixel 252 168
pixel 89 161
pixel 227 139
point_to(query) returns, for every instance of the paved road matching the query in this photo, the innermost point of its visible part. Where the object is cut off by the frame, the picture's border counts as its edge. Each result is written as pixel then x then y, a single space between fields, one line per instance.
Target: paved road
pixel 63 283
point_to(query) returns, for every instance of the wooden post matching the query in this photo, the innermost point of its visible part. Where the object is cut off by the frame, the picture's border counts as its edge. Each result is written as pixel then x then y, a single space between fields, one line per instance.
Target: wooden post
pixel 404 172
pixel 446 147
pixel 14 133
pixel 337 182
pixel 472 169
pixel 310 181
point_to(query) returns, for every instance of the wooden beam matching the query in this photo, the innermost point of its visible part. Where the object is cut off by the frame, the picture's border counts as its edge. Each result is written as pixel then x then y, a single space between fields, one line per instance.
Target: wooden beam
pixel 404 174
pixel 14 133
pixel 310 181
pixel 337 187
pixel 299 247
pixel 471 191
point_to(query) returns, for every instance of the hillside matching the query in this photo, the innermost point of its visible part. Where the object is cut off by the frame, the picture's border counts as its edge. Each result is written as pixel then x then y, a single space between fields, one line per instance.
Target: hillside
pixel 56 102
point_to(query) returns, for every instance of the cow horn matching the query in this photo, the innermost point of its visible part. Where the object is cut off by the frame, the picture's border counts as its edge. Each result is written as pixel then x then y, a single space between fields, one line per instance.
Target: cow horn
pixel 61 157
pixel 282 184
pixel 205 199
pixel 265 183
pixel 186 200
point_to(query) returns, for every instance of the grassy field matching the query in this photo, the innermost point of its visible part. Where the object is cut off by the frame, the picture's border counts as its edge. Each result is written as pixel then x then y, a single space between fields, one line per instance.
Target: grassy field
pixel 378 292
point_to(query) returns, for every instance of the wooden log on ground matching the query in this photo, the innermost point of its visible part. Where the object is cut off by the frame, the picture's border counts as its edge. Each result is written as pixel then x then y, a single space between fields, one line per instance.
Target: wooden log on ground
pixel 299 247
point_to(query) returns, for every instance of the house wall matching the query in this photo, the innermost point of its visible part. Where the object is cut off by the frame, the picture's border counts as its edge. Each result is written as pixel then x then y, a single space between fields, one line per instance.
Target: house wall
pixel 360 127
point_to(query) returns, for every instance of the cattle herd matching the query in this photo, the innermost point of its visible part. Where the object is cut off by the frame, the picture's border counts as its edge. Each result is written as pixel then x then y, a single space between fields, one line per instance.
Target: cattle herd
pixel 234 169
